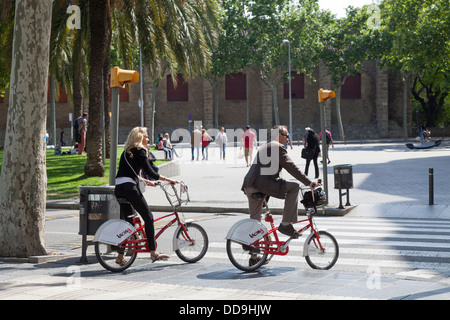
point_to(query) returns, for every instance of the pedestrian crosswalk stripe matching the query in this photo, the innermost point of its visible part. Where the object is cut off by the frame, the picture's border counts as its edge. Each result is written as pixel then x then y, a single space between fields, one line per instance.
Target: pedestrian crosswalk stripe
pixel 378 221
pixel 373 228
pixel 441 267
pixel 354 234
pixel 393 243
pixel 361 251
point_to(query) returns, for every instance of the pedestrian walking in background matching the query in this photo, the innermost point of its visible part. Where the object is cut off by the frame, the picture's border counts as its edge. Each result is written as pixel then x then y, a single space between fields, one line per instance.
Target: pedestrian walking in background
pixel 196 141
pixel 206 140
pixel 311 141
pixel 288 142
pixel 221 140
pixel 82 129
pixel 329 140
pixel 248 141
pixel 61 138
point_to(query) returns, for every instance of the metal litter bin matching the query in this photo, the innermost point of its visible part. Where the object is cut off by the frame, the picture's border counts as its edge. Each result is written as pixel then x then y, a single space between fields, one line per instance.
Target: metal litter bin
pixel 343 176
pixel 343 179
pixel 97 205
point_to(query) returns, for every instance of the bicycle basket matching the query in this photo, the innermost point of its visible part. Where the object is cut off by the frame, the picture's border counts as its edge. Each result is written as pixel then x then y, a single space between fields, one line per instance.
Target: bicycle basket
pixel 176 198
pixel 318 199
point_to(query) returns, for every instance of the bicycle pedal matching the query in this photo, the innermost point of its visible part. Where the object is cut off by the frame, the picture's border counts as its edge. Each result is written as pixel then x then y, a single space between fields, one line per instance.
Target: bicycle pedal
pixel 250 249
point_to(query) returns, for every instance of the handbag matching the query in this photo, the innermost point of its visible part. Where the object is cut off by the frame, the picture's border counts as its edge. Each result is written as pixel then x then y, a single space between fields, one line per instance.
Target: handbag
pixel 314 198
pixel 142 185
pixel 308 153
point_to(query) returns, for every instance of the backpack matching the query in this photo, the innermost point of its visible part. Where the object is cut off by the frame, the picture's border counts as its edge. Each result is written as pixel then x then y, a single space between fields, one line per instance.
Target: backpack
pixel 328 137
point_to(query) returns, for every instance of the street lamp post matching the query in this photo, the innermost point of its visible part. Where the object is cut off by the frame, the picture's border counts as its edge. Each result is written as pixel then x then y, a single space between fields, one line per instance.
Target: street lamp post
pixel 290 86
pixel 246 90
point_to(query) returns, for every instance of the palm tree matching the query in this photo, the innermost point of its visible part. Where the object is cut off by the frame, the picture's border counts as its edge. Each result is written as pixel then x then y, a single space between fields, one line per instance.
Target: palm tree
pixel 97 21
pixel 177 33
pixel 172 33
pixel 69 54
pixel 175 36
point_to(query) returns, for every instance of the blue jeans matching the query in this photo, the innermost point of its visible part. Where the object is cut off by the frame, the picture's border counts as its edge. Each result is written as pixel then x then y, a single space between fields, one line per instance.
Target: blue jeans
pixel 205 148
pixel 198 151
pixel 222 151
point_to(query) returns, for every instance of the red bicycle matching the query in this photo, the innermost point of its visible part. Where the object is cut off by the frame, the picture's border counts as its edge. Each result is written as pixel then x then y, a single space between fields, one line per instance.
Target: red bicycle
pixel 190 240
pixel 250 244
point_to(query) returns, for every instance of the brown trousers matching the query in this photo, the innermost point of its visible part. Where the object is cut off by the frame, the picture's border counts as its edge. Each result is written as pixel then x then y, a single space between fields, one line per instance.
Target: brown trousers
pixel 290 203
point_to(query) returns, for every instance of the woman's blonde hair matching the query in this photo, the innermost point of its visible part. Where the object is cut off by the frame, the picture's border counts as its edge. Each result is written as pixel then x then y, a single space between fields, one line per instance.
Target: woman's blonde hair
pixel 135 138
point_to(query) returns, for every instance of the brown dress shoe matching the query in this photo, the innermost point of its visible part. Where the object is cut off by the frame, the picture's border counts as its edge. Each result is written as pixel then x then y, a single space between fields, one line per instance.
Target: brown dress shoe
pixel 288 230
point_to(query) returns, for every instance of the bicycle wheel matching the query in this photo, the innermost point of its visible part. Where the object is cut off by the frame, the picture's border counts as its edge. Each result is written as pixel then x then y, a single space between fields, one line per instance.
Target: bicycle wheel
pixel 107 255
pixel 322 259
pixel 244 257
pixel 191 251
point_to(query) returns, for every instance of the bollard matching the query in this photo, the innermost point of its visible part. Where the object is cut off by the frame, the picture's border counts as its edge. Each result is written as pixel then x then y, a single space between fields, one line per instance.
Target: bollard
pixel 431 186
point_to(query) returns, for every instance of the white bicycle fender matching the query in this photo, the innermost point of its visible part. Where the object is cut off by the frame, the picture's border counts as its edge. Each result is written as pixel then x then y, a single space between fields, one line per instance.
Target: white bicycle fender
pixel 246 231
pixel 180 243
pixel 114 232
pixel 305 245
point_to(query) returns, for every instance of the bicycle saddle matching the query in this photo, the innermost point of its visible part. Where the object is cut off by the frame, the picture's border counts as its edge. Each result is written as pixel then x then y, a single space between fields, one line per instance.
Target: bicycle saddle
pixel 258 195
pixel 122 200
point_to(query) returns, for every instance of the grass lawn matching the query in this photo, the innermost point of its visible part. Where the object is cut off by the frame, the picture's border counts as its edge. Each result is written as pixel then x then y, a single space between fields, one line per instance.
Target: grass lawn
pixel 65 173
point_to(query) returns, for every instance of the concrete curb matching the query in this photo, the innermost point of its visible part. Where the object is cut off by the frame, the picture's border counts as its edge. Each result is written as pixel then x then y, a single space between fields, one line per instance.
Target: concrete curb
pixel 328 211
pixel 277 211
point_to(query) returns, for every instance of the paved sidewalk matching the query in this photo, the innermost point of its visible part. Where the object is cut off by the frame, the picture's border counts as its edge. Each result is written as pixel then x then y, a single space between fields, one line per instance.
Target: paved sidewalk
pixel 390 181
pixel 68 280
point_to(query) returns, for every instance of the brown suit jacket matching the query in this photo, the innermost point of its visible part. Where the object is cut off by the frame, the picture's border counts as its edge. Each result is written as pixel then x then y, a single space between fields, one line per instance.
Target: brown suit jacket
pixel 264 174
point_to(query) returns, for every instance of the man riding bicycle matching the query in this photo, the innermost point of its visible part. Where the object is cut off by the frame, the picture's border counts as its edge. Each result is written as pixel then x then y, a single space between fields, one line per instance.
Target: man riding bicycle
pixel 264 178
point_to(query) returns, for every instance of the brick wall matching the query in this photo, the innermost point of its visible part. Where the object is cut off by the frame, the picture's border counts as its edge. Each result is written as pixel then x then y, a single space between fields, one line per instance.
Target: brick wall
pixel 378 114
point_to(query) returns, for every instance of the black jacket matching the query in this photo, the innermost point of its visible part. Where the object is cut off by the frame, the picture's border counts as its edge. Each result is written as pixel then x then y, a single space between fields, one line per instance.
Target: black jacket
pixel 138 162
pixel 312 142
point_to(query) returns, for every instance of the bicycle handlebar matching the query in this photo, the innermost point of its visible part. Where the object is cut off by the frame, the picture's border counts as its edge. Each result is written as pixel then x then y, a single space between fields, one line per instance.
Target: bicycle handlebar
pixel 183 189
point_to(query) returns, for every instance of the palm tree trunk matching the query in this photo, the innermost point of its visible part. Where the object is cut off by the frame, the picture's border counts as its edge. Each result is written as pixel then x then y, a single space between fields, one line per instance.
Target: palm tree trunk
pixel 97 21
pixel 152 113
pixel 23 178
pixel 76 86
pixel 106 87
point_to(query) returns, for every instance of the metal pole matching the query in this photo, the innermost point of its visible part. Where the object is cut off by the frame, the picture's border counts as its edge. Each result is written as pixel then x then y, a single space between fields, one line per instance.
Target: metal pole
pixel 290 90
pixel 141 79
pixel 431 186
pixel 324 149
pixel 290 86
pixel 102 113
pixel 114 135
